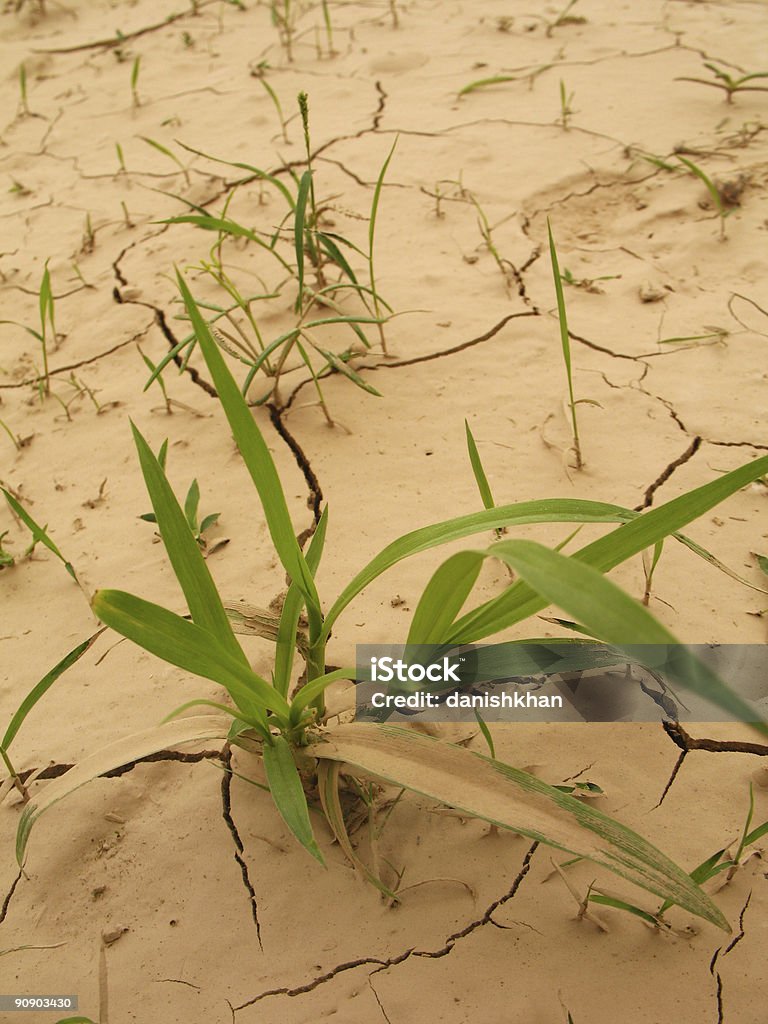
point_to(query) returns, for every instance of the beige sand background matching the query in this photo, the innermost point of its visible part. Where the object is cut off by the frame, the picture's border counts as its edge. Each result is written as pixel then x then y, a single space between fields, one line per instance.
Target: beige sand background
pixel 219 916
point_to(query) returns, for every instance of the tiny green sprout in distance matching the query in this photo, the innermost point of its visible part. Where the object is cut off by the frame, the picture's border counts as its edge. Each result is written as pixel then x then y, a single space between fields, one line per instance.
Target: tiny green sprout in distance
pixel 730 84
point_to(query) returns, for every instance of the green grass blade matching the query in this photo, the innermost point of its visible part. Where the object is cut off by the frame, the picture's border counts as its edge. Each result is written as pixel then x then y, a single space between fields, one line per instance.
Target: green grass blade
pixel 346 371
pixel 483 83
pixel 335 253
pixel 565 339
pixel 519 602
pixel 38 532
pixel 43 686
pixel 263 175
pixel 256 456
pixel 299 225
pixel 187 560
pixel 377 197
pixel 709 184
pixel 569 510
pixel 444 597
pixel 477 468
pixel 190 647
pixel 288 793
pixel 316 688
pixel 612 615
pixel 289 617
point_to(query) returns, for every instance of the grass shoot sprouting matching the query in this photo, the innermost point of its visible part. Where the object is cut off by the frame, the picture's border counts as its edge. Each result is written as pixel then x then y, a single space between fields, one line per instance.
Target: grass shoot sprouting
pixel 730 84
pixel 135 68
pixel 566 345
pixel 722 209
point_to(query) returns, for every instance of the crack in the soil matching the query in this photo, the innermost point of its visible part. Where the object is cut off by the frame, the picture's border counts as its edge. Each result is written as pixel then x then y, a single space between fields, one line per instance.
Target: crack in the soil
pixel 737 939
pixel 672 777
pixel 383 965
pixel 55 771
pixel 9 896
pixel 226 811
pixel 315 497
pixel 662 478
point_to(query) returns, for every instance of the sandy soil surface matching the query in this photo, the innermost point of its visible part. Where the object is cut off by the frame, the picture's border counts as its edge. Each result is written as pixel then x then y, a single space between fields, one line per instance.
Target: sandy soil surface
pixel 176 889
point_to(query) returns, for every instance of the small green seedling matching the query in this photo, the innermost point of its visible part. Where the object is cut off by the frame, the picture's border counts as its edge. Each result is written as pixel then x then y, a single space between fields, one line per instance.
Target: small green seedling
pixel 135 67
pixel 722 209
pixel 566 343
pixel 120 158
pixel 565 18
pixel 566 110
pixel 729 84
pixel 191 505
pixel 23 103
pixel 260 73
pixel 39 533
pixel 328 28
pixel 284 14
pixel 171 156
pixel 588 284
pixel 47 332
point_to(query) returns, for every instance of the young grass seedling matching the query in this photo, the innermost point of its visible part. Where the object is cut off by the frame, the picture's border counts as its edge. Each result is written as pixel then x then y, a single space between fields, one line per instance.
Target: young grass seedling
pixel 171 156
pixel 120 158
pixel 39 533
pixel 284 14
pixel 24 110
pixel 191 506
pixel 588 284
pixel 260 73
pixel 47 331
pixel 328 28
pixel 566 110
pixel 730 84
pixel 564 18
pixel 723 211
pixel 135 67
pixel 566 343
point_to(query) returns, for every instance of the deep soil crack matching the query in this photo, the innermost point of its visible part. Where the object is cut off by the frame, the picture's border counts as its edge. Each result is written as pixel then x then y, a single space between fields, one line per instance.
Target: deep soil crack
pixel 383 965
pixel 226 809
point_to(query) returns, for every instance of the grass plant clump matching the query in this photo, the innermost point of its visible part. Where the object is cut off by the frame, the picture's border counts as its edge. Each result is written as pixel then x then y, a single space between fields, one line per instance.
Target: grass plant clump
pixel 310 258
pixel 285 725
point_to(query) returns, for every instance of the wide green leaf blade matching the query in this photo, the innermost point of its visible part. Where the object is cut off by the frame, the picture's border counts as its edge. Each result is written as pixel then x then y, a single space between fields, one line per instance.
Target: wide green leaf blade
pixel 519 602
pixel 187 560
pixel 443 597
pixel 612 615
pixel 115 755
pixel 288 793
pixel 189 647
pixel 548 510
pixel 511 799
pixel 256 456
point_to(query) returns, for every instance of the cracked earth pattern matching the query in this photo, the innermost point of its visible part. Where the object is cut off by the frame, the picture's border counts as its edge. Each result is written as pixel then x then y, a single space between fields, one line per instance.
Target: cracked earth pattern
pixel 218 917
